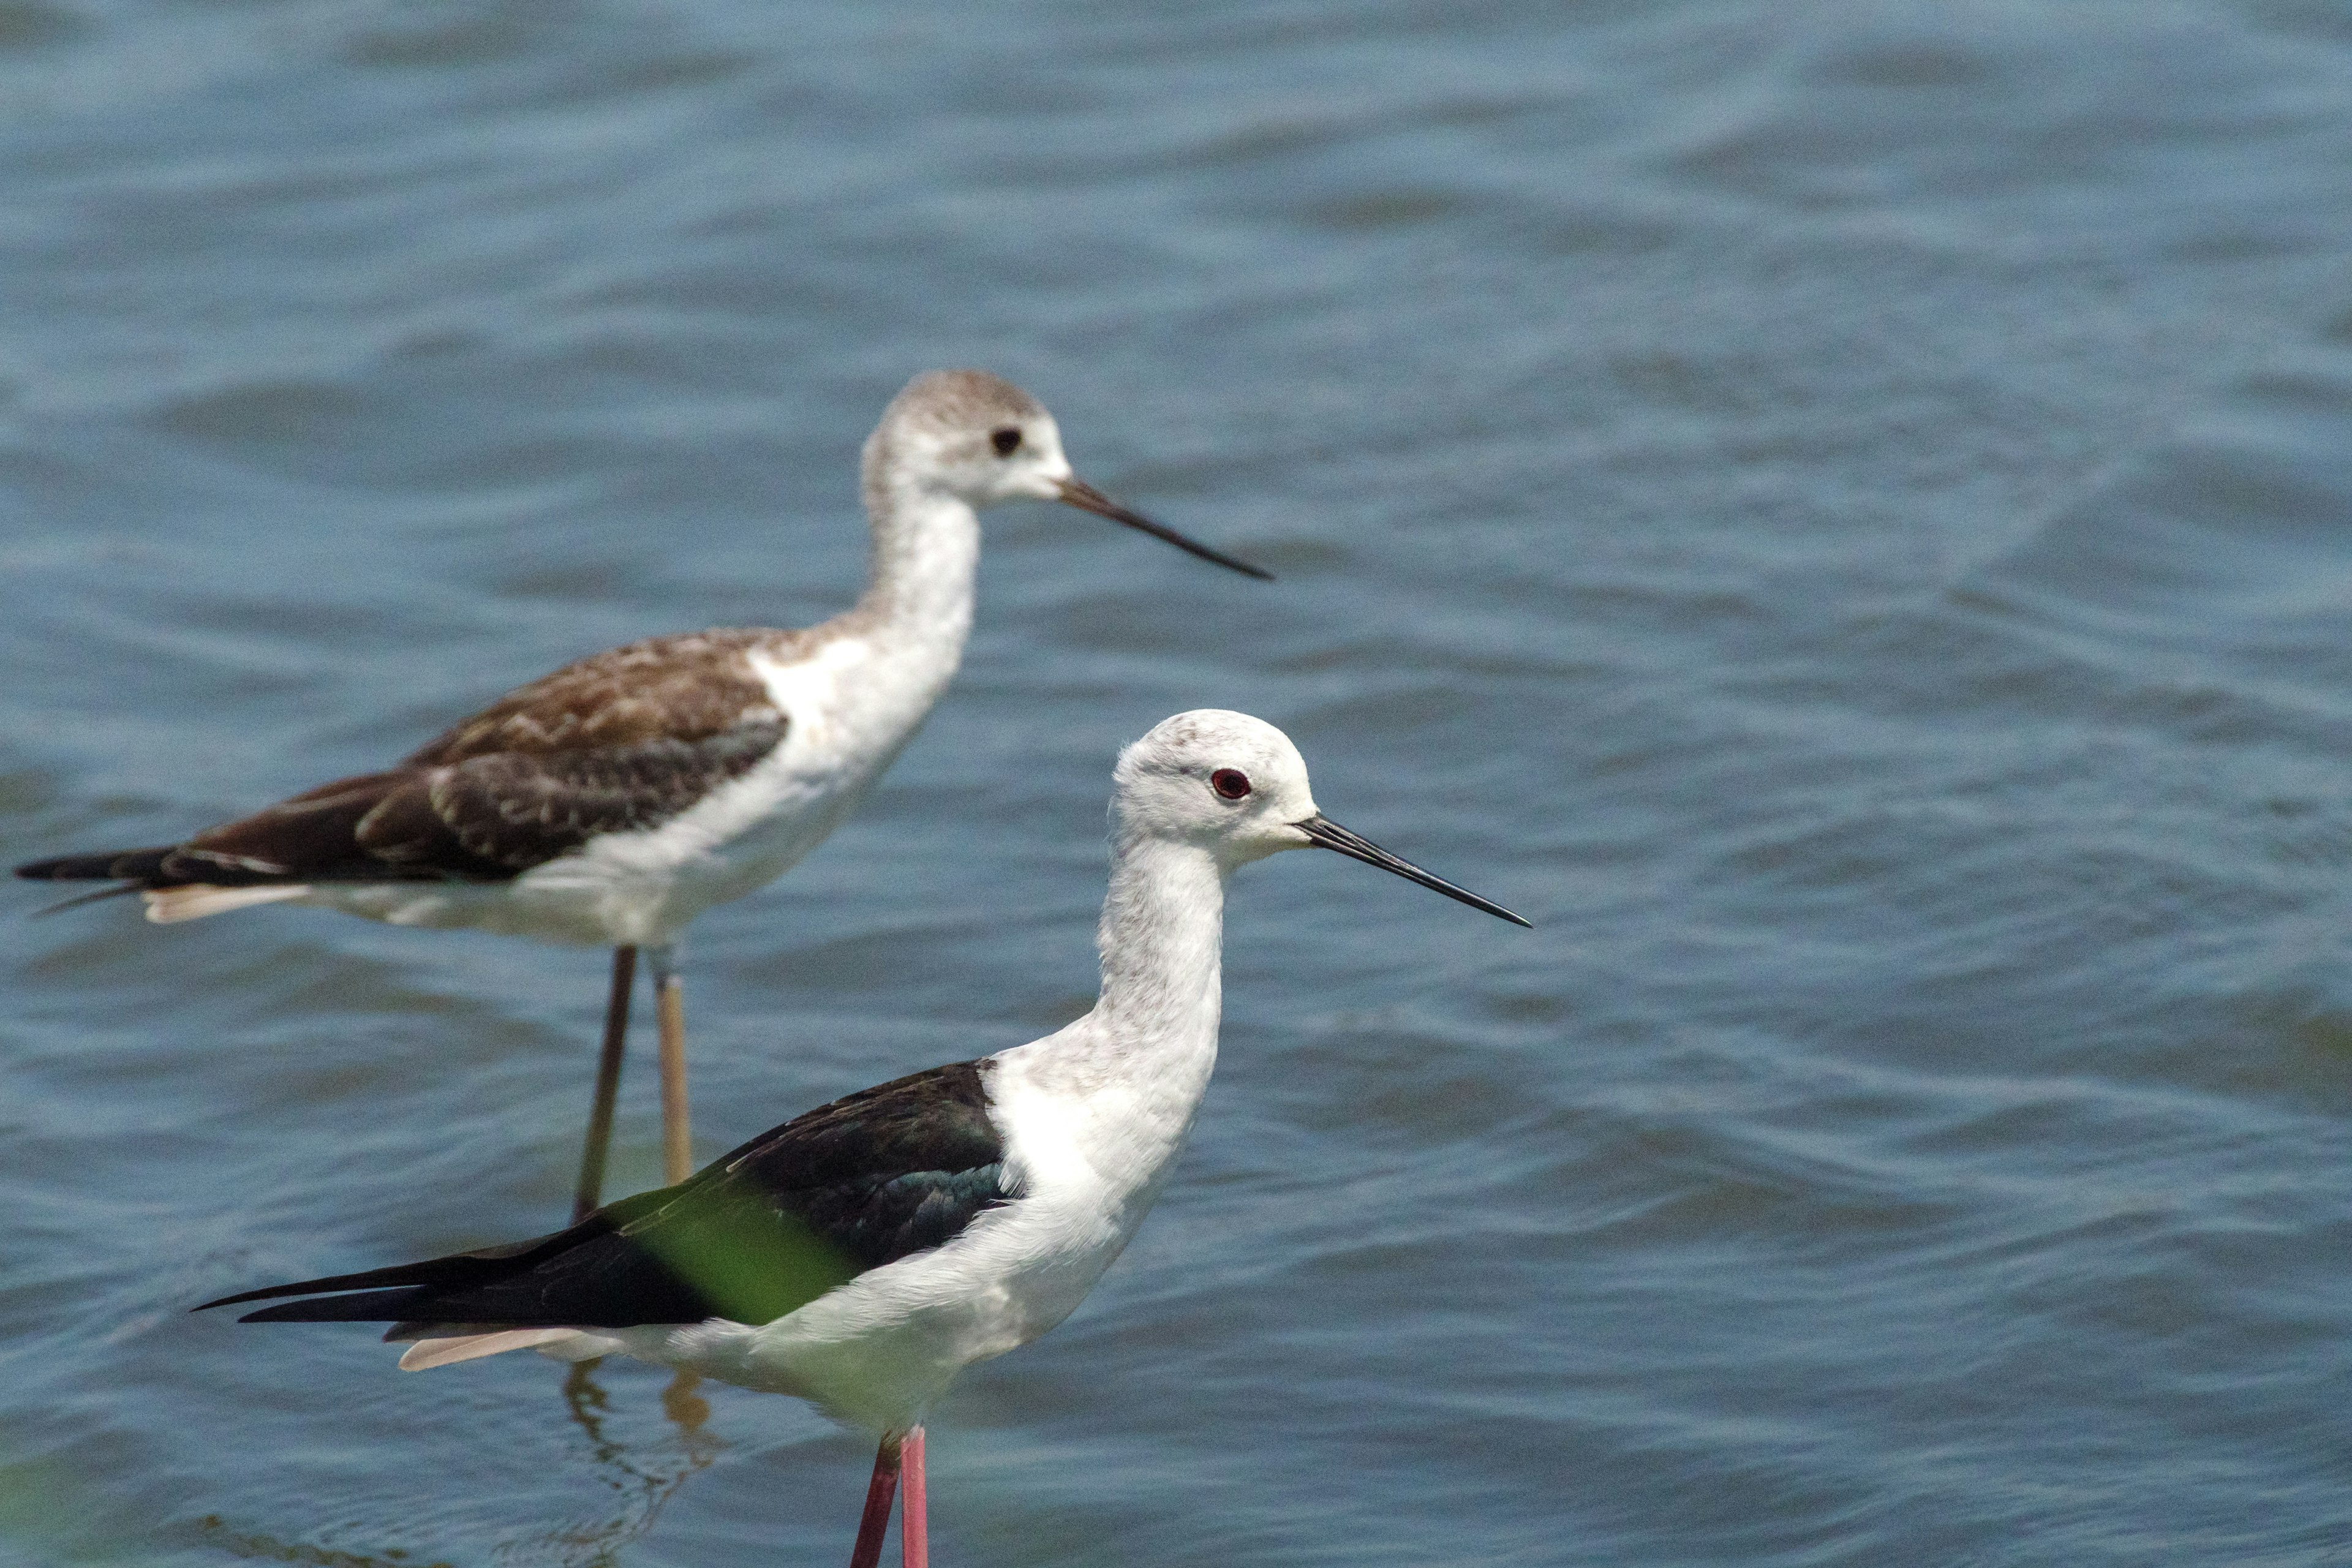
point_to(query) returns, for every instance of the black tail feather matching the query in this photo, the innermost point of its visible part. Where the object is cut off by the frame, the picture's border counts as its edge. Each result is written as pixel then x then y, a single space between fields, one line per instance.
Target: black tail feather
pixel 144 866
pixel 457 1269
pixel 366 1306
pixel 406 1275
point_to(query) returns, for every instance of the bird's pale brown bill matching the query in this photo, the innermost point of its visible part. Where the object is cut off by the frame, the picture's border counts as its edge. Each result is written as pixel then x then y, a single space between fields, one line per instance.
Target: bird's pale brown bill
pixel 1328 834
pixel 1076 492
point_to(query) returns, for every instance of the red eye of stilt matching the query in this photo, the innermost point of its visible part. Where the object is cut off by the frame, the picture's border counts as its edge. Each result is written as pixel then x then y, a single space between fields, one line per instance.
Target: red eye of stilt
pixel 1231 782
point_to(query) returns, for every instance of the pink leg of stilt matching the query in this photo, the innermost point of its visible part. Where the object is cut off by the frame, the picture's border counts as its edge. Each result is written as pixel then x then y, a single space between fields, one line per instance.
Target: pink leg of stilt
pixel 876 1521
pixel 914 1521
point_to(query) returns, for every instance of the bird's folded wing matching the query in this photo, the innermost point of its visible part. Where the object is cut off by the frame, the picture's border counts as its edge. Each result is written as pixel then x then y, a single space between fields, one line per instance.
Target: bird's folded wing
pixel 620 742
pixel 863 1181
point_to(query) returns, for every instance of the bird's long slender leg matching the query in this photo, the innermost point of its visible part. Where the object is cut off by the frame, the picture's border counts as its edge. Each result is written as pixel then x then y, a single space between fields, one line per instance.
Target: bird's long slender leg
pixel 608 1085
pixel 914 1518
pixel 669 1005
pixel 876 1521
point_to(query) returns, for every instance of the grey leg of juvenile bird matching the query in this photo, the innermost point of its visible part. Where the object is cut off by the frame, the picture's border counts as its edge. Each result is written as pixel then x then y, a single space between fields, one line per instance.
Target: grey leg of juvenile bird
pixel 608 1085
pixel 669 1003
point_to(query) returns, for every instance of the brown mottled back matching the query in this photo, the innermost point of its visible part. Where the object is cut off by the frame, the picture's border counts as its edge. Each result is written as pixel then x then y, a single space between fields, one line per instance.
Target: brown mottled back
pixel 685 687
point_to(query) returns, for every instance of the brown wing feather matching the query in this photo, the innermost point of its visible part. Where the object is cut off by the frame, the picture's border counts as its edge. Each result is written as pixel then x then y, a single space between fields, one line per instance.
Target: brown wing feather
pixel 685 687
pixel 319 836
pixel 519 810
pixel 622 740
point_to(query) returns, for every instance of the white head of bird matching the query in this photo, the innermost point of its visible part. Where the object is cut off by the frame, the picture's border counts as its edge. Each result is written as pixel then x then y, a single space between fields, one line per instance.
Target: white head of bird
pixel 1223 781
pixel 1235 787
pixel 973 435
pixel 973 440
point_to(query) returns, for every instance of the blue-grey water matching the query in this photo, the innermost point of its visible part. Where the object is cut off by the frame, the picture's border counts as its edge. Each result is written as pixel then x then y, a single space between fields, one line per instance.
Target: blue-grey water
pixel 1842 512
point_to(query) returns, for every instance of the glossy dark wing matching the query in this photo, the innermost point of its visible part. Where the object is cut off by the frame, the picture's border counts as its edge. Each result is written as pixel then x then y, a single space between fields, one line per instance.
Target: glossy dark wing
pixel 622 741
pixel 868 1180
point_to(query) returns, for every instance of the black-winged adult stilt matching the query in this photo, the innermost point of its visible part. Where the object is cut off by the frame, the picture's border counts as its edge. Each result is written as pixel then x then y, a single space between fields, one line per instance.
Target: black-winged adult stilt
pixel 863 1254
pixel 612 802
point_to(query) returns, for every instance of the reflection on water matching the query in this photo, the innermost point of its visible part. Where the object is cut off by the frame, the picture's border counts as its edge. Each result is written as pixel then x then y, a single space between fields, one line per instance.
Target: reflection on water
pixel 641 1477
pixel 221 1536
pixel 644 1482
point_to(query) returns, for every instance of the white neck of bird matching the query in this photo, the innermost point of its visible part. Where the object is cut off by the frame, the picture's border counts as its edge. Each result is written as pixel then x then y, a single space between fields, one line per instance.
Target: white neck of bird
pixel 925 551
pixel 1161 937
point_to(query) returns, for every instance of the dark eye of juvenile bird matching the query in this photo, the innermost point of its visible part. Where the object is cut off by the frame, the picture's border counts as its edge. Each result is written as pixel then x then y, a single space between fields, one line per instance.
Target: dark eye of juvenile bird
pixel 1231 782
pixel 1007 441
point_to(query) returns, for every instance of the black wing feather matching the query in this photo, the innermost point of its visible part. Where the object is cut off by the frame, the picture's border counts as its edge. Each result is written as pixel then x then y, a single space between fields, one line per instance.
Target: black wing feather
pixel 871 1178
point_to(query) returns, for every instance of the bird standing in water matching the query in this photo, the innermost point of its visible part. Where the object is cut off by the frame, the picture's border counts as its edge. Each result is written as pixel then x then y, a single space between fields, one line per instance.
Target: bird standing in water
pixel 610 803
pixel 863 1254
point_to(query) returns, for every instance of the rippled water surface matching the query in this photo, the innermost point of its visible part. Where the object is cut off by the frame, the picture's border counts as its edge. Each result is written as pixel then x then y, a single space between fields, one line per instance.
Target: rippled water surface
pixel 1840 512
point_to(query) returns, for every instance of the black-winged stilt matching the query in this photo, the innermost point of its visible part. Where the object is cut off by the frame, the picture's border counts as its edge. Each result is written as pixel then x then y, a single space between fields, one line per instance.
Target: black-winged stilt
pixel 610 803
pixel 863 1254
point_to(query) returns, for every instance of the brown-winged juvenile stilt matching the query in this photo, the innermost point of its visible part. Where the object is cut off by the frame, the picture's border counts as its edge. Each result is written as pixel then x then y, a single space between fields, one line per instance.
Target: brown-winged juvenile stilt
pixel 610 803
pixel 863 1254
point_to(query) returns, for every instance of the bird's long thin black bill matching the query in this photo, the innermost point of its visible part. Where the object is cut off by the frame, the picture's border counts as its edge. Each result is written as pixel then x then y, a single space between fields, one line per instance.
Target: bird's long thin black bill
pixel 1076 492
pixel 1330 834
